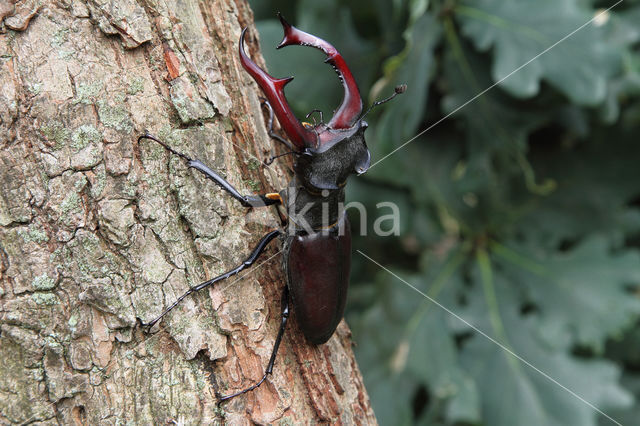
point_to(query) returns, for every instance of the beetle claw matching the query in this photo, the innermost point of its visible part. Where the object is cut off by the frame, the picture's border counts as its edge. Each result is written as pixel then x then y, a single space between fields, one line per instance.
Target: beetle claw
pixel 351 107
pixel 273 88
pixel 346 115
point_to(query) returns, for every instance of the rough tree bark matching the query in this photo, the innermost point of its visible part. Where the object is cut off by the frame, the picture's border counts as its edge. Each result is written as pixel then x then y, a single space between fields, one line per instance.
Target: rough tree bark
pixel 98 230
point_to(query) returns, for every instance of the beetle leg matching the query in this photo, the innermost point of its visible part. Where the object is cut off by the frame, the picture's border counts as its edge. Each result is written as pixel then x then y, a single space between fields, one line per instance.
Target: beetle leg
pixel 313 111
pixel 257 251
pixel 245 200
pixel 284 316
pixel 269 160
pixel 272 133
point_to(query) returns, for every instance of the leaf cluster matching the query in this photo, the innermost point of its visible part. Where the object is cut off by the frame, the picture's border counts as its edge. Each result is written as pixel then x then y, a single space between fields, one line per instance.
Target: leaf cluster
pixel 519 204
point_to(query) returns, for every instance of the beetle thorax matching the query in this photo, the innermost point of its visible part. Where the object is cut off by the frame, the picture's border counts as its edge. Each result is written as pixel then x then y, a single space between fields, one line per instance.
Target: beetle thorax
pixel 329 166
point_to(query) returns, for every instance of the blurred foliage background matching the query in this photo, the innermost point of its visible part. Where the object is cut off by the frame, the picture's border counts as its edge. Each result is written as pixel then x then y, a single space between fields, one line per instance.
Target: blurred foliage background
pixel 520 212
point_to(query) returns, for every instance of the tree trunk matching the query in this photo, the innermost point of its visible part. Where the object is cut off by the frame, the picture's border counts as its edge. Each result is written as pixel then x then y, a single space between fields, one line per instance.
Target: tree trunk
pixel 98 230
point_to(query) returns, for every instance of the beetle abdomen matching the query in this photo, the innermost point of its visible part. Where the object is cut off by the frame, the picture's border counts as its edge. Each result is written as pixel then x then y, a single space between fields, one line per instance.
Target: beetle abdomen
pixel 318 266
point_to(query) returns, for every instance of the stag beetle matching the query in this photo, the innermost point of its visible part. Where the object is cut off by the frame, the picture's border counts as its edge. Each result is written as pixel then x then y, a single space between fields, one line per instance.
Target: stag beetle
pixel 317 239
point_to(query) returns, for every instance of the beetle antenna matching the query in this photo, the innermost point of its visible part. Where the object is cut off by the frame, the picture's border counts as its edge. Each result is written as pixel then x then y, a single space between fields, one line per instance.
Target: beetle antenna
pixel 269 160
pixel 397 91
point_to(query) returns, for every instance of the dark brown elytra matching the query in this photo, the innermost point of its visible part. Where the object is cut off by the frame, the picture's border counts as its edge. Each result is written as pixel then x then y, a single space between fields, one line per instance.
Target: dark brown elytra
pixel 316 238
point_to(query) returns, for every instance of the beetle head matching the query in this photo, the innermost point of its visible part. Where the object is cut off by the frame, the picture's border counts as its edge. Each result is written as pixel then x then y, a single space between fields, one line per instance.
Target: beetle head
pixel 329 151
pixel 329 166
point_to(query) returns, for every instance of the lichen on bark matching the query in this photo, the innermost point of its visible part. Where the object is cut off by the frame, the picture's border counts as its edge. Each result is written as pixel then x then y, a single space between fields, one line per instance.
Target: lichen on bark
pixel 98 231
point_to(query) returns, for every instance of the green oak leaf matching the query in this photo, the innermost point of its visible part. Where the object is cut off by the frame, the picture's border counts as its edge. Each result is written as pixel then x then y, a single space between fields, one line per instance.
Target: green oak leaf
pixel 514 393
pixel 406 342
pixel 582 294
pixel 596 185
pixel 520 30
pixel 414 67
pixel 546 384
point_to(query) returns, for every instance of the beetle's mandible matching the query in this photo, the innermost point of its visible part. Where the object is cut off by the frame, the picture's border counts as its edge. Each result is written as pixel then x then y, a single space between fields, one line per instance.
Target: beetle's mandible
pixel 316 240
